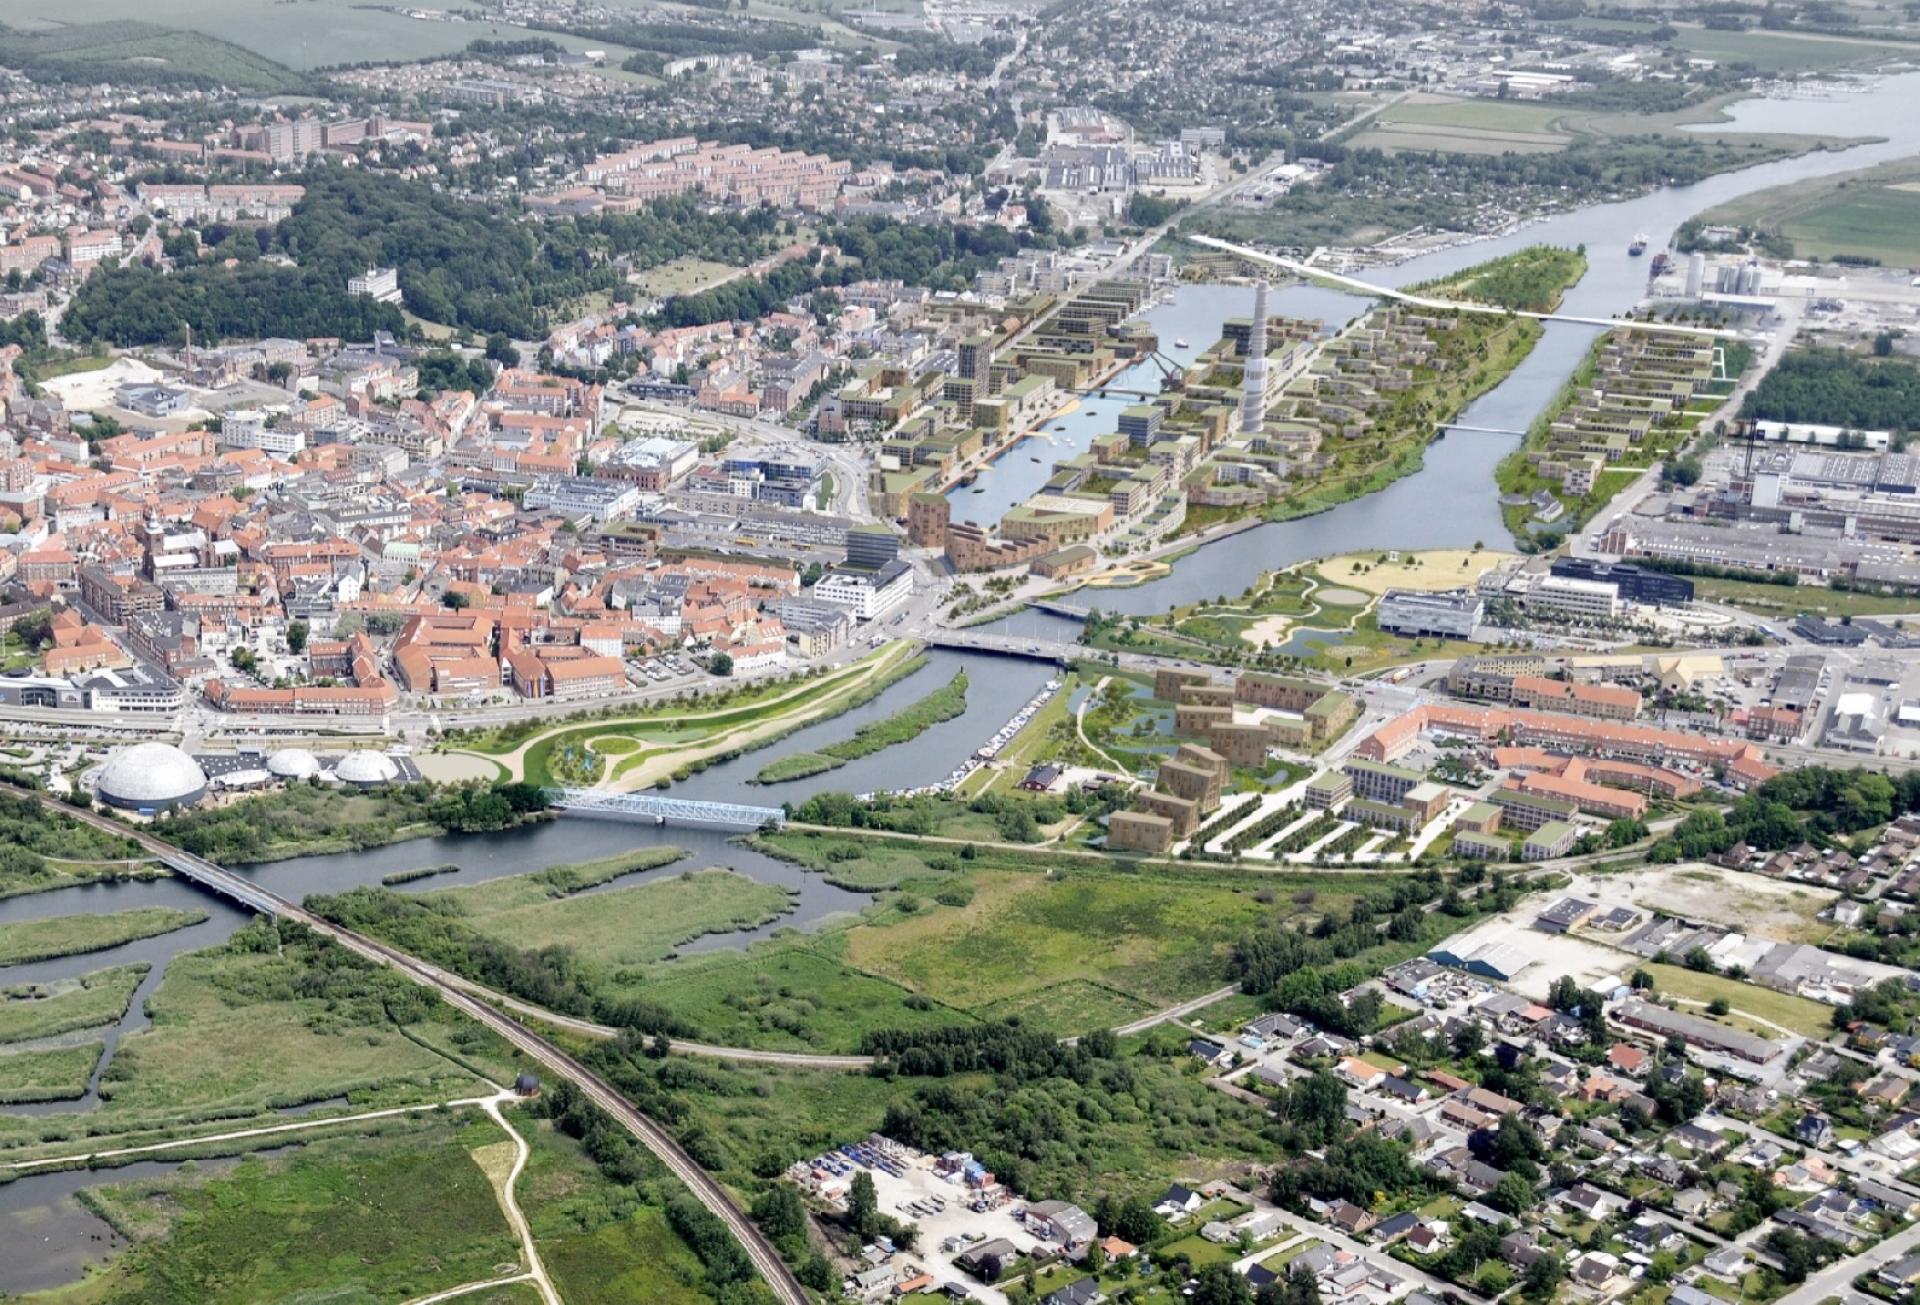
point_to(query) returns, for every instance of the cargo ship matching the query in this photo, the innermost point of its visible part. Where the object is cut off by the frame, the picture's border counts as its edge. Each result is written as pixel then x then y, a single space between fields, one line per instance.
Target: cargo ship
pixel 1638 247
pixel 1662 261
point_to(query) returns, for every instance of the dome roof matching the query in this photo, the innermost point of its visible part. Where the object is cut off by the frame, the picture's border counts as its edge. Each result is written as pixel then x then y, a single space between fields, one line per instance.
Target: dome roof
pixel 151 774
pixel 293 763
pixel 365 766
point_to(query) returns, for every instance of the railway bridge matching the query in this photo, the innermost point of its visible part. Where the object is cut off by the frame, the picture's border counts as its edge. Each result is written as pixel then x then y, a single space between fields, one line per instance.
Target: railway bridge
pixel 217 879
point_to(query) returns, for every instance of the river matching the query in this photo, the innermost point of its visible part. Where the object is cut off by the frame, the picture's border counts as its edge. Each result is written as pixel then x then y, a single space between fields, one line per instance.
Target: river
pixel 1449 502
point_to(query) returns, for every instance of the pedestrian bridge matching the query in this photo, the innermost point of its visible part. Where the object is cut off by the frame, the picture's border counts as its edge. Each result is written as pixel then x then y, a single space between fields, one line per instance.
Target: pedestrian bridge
pixel 658 808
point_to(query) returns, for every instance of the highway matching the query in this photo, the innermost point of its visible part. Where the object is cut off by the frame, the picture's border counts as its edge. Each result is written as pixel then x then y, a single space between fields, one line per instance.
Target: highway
pixel 766 1260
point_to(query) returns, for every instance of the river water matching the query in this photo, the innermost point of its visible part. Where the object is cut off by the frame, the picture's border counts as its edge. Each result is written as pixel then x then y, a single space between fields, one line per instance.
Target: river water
pixel 1451 502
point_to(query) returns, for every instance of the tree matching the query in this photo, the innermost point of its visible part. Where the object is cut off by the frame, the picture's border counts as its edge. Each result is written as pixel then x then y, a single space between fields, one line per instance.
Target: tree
pixel 455 600
pixel 779 1213
pixel 296 636
pixel 1542 1278
pixel 1512 1194
pixel 721 664
pixel 1218 1284
pixel 863 1203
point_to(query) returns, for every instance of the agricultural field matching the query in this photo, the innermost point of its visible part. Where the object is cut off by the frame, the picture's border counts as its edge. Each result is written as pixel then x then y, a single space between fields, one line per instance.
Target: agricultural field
pixel 307 35
pixel 101 38
pixel 1772 52
pixel 1435 122
pixel 1873 213
pixel 321 1218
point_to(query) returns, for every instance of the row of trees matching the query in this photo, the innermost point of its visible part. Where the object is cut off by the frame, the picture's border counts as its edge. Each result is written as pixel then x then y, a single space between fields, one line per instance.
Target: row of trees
pixel 1829 387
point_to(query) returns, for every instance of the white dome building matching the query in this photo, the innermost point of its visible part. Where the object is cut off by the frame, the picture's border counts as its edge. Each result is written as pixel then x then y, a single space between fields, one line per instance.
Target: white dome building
pixel 293 763
pixel 366 768
pixel 151 777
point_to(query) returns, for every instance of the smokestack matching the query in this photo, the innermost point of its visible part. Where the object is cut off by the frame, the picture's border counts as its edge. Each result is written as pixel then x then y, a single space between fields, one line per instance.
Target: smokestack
pixel 1253 390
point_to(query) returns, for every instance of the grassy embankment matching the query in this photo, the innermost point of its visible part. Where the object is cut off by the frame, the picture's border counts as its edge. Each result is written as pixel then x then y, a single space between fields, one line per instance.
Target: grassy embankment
pixel 41 1010
pixel 673 739
pixel 72 935
pixel 908 723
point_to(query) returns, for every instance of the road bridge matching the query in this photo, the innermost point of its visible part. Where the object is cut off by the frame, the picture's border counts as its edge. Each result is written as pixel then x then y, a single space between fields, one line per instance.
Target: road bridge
pixel 1009 645
pixel 217 879
pixel 657 808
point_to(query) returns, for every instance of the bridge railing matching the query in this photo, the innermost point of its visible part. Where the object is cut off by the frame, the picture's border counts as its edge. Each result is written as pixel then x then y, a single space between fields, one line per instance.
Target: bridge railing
pixel 659 807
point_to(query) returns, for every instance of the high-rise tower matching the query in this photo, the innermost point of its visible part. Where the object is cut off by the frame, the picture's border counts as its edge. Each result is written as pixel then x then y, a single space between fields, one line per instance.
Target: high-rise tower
pixel 1253 389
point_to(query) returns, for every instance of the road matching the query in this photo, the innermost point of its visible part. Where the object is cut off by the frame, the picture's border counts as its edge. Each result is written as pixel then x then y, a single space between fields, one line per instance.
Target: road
pixel 556 1062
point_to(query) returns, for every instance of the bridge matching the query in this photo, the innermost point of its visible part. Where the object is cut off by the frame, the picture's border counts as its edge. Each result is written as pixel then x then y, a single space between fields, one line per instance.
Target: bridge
pixel 550 1057
pixel 660 809
pixel 1010 645
pixel 1353 283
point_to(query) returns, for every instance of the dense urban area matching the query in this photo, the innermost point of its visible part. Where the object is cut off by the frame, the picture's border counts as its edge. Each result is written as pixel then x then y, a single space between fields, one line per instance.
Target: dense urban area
pixel 1043 654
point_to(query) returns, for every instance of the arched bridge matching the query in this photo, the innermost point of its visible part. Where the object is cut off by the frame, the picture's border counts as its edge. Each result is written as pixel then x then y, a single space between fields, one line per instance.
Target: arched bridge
pixel 658 808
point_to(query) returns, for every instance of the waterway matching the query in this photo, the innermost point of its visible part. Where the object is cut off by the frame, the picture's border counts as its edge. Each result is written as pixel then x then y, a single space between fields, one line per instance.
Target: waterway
pixel 45 1238
pixel 1452 502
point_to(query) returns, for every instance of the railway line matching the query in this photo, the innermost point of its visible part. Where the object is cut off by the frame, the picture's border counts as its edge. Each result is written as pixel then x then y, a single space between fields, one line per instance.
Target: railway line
pixel 549 1056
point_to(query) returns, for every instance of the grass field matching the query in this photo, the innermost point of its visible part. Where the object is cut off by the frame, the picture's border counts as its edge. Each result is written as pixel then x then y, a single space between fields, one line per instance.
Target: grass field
pixel 100 37
pixel 42 1010
pixel 1776 53
pixel 1153 941
pixel 241 1029
pixel 1802 1016
pixel 71 935
pixel 601 1246
pixel 356 1219
pixel 633 926
pixel 1874 213
pixel 56 1074
pixel 682 276
pixel 1791 600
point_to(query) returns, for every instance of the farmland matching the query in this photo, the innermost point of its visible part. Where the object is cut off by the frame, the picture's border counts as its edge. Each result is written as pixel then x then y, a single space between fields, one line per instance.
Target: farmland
pixel 1873 213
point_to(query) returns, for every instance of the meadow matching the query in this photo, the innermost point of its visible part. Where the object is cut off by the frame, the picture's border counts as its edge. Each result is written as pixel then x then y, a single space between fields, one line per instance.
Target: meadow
pixel 73 935
pixel 43 1010
pixel 1872 213
pixel 319 1220
pixel 53 1074
pixel 1802 1016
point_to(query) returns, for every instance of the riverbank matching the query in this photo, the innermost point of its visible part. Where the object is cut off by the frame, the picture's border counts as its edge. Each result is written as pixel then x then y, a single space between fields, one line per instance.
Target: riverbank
pixel 904 726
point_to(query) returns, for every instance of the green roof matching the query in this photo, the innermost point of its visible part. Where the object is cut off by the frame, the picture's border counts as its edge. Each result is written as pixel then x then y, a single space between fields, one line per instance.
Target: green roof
pixel 1328 780
pixel 1551 832
pixel 1382 768
pixel 1506 797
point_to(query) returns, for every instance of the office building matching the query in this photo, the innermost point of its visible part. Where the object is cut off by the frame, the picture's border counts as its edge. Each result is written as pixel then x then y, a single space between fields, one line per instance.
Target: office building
pixel 1450 614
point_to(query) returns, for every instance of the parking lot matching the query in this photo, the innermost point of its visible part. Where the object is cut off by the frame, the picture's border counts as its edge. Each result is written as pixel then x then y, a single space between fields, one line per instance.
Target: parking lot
pixel 910 1191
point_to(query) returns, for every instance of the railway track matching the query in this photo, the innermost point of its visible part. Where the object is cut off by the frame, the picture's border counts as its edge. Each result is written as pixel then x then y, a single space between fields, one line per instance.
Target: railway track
pixel 549 1056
